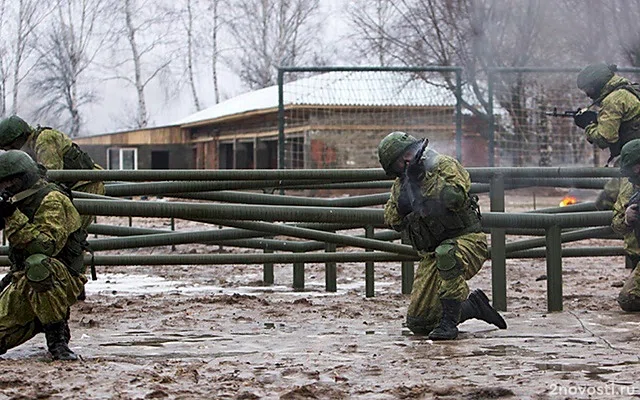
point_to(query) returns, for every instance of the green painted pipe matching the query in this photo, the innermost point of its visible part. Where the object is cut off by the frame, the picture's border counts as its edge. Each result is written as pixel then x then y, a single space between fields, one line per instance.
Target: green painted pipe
pixel 579 207
pixel 228 211
pixel 373 174
pixel 231 259
pixel 601 251
pixel 565 237
pixel 345 240
pixel 167 188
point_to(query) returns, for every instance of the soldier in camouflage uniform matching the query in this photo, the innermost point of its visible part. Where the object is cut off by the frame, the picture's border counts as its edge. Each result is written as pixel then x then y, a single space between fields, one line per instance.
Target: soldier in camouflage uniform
pixel 430 202
pixel 625 217
pixel 46 245
pixel 51 148
pixel 617 121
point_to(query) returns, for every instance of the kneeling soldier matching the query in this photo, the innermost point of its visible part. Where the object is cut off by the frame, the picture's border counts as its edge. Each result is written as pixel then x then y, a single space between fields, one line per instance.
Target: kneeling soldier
pixel 430 201
pixel 46 246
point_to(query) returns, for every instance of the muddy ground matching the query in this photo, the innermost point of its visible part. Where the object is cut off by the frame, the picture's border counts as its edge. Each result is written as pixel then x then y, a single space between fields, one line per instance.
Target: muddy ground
pixel 216 332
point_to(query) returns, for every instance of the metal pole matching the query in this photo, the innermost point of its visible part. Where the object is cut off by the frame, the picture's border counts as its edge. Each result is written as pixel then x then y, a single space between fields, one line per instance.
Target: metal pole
pixel 369 276
pixel 459 115
pixel 554 269
pixel 498 247
pixel 330 270
pixel 298 276
pixel 281 139
pixel 407 270
pixel 492 140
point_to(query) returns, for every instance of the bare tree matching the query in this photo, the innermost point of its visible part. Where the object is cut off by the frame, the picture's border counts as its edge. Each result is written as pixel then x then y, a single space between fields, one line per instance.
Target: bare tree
pixel 272 33
pixel 30 14
pixel 368 22
pixel 214 24
pixel 145 29
pixel 66 51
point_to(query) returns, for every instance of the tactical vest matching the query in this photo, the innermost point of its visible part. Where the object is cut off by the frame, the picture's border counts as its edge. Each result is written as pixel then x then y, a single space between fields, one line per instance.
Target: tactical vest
pixel 628 130
pixel 74 158
pixel 71 254
pixel 431 222
pixel 436 223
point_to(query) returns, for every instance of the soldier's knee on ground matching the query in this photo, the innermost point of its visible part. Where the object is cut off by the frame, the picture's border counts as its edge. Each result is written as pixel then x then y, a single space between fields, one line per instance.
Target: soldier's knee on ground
pixel 38 272
pixel 629 302
pixel 419 325
pixel 449 266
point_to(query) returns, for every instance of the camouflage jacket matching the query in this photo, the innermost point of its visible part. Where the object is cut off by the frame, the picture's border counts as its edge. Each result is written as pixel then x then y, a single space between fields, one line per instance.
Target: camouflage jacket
pixel 446 171
pixel 617 107
pixel 48 146
pixel 626 191
pixel 54 221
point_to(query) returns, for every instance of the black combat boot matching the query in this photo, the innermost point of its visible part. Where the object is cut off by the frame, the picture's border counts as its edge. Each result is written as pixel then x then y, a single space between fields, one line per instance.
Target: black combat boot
pixel 477 306
pixel 56 342
pixel 447 330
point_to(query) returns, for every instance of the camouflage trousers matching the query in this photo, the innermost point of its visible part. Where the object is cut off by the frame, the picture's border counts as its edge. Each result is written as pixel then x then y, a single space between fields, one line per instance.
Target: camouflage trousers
pixel 425 310
pixel 92 188
pixel 629 297
pixel 23 310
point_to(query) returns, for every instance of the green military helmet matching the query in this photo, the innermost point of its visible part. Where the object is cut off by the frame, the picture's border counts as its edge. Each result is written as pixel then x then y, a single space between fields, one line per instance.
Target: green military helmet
pixel 629 156
pixel 393 146
pixel 11 129
pixel 593 77
pixel 16 162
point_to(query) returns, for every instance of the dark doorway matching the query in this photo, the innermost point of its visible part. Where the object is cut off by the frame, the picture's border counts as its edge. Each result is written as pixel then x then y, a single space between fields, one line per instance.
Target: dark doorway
pixel 225 152
pixel 159 159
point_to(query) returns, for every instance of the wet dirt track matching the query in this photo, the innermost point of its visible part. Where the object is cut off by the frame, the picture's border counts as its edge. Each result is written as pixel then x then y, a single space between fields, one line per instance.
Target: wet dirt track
pixel 217 332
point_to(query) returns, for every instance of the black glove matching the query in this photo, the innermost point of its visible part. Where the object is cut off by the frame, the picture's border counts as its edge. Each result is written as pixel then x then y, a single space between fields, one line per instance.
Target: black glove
pixel 6 207
pixel 404 199
pixel 415 171
pixel 584 118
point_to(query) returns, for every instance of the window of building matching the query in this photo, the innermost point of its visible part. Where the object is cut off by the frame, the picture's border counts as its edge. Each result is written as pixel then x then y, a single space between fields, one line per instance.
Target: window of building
pixel 122 158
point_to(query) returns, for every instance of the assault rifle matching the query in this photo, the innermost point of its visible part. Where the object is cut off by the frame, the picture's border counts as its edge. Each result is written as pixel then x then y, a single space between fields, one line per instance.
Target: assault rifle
pixel 415 165
pixel 566 114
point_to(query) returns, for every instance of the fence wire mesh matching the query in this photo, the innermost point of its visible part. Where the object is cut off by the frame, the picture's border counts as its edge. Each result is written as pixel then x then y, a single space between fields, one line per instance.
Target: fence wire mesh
pixel 525 135
pixel 336 118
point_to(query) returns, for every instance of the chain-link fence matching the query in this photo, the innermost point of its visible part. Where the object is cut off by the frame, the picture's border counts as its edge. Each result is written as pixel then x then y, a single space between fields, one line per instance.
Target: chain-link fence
pixel 335 117
pixel 523 134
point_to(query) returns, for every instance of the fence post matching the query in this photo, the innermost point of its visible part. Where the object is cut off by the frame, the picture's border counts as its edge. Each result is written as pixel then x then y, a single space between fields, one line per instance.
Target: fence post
pixel 369 276
pixel 407 270
pixel 554 268
pixel 330 274
pixel 267 268
pixel 298 276
pixel 492 128
pixel 498 246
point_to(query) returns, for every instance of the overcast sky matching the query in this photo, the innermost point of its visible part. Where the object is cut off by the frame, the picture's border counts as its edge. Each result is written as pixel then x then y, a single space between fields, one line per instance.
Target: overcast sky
pixel 108 114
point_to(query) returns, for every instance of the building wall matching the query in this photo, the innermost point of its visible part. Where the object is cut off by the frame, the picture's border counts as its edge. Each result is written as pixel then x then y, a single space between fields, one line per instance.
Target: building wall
pixel 180 155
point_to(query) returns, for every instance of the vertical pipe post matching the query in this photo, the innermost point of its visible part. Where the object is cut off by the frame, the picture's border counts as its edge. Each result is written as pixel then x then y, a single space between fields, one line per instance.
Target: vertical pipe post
pixel 498 246
pixel 330 270
pixel 492 139
pixel 407 270
pixel 459 115
pixel 280 118
pixel 173 228
pixel 554 268
pixel 298 276
pixel 267 269
pixel 369 276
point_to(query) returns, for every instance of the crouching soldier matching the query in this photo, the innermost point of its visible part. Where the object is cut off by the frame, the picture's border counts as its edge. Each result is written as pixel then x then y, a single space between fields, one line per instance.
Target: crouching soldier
pixel 626 221
pixel 46 245
pixel 430 201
